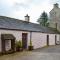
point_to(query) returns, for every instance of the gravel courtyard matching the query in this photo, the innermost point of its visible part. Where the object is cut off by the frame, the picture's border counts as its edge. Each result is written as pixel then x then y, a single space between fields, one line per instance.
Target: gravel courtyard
pixel 47 53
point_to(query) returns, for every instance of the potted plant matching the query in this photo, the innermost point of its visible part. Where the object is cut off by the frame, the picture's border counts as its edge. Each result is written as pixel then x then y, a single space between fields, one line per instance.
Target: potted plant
pixel 19 46
pixel 30 47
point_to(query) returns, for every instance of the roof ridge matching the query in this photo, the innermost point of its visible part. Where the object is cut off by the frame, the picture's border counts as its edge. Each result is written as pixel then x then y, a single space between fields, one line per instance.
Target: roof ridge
pixel 17 19
pixel 24 25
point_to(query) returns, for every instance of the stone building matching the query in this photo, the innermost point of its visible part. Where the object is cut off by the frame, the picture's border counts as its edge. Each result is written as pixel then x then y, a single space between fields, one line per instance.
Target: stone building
pixel 55 17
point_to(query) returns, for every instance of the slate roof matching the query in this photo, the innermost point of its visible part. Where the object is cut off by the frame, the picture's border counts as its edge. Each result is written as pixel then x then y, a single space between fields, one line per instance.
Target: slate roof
pixel 16 24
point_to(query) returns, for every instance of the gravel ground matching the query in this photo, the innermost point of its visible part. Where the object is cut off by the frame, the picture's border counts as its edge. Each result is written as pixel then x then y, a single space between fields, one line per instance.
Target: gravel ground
pixel 47 53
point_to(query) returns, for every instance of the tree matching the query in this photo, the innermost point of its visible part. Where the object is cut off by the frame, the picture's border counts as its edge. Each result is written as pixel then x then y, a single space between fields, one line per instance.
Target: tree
pixel 43 19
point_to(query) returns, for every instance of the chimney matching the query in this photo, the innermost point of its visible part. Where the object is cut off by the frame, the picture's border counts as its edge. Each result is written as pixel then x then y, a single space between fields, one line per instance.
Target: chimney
pixel 27 18
pixel 56 5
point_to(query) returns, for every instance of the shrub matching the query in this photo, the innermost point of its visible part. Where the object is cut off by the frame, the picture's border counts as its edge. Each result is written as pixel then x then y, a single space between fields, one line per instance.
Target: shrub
pixel 30 47
pixel 30 43
pixel 19 44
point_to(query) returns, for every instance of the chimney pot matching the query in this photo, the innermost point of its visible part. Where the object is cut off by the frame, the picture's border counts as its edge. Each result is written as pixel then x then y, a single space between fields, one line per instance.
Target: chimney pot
pixel 27 18
pixel 56 5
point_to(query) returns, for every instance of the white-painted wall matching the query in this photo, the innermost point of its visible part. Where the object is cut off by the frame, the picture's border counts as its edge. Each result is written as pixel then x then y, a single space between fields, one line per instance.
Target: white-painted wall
pixel 58 39
pixel 38 39
pixel 51 39
pixel 17 35
pixel 0 43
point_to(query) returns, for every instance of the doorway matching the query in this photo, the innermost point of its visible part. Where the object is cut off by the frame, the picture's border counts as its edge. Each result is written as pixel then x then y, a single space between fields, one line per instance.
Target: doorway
pixel 24 40
pixel 8 42
pixel 47 40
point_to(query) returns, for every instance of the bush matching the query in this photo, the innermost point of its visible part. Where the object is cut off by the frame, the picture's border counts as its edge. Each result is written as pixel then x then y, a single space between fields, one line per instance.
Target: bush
pixel 30 43
pixel 19 46
pixel 30 47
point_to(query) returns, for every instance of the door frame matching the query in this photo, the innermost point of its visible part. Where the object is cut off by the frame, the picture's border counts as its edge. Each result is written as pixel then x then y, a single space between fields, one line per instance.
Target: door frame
pixel 55 39
pixel 47 40
pixel 26 37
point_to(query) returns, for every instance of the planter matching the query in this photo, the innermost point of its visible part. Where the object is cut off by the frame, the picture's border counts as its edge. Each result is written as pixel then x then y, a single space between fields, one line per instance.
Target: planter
pixel 19 49
pixel 1 53
pixel 9 52
pixel 30 48
pixel 19 46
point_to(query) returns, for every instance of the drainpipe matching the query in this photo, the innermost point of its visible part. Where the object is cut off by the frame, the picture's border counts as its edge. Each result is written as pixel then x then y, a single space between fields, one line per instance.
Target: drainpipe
pixel 56 26
pixel 55 39
pixel 30 36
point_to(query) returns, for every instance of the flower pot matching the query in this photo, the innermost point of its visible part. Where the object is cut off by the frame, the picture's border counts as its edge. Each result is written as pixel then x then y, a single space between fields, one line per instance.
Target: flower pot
pixel 19 49
pixel 30 48
pixel 19 46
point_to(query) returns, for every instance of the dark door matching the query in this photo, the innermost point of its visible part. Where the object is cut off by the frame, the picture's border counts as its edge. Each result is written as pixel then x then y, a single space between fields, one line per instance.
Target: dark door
pixel 24 40
pixel 47 40
pixel 55 40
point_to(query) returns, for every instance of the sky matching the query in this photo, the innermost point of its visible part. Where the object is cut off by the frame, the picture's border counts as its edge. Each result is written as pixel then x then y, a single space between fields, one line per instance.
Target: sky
pixel 19 8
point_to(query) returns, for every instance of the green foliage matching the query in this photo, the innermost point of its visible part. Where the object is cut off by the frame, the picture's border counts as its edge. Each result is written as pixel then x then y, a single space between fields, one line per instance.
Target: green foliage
pixel 19 43
pixel 30 43
pixel 47 24
pixel 43 19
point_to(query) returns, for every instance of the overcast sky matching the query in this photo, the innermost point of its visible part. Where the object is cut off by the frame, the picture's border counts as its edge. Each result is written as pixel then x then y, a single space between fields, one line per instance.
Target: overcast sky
pixel 19 8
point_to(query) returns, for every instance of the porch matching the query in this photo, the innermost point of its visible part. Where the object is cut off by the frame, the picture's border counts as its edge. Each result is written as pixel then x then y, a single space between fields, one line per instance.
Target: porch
pixel 8 43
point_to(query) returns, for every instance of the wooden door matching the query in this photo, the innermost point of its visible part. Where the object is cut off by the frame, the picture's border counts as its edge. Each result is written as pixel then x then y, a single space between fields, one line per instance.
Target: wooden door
pixel 47 40
pixel 24 40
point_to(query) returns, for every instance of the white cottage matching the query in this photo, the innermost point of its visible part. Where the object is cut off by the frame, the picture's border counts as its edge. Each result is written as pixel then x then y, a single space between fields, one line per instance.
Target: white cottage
pixel 13 29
